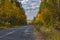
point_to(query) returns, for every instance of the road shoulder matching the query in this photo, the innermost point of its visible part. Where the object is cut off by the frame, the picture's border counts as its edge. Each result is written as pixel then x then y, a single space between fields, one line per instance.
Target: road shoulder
pixel 37 35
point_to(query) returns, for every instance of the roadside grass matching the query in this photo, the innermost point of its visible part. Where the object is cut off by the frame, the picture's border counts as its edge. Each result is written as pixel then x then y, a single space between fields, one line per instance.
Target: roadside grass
pixel 53 35
pixel 7 27
pixel 48 33
pixel 2 28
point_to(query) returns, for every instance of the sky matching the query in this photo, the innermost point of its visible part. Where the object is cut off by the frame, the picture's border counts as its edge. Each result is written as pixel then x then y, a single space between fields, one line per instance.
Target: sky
pixel 31 7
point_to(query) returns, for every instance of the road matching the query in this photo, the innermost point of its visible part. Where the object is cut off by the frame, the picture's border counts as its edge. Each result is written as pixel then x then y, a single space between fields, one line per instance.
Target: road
pixel 22 33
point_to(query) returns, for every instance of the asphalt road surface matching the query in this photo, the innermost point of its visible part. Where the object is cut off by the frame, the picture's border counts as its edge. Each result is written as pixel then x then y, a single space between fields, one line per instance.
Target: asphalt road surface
pixel 22 33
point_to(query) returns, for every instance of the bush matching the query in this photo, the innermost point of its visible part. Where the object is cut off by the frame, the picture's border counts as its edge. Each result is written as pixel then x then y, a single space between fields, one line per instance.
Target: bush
pixel 2 28
pixel 53 35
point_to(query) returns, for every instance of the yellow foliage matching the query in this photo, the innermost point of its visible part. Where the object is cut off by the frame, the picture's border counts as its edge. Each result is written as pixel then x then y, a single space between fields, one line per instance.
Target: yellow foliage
pixel 14 13
pixel 39 15
pixel 47 1
pixel 39 18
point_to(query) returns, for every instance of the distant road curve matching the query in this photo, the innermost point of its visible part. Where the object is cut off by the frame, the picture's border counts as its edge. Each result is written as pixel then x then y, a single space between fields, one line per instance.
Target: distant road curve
pixel 22 33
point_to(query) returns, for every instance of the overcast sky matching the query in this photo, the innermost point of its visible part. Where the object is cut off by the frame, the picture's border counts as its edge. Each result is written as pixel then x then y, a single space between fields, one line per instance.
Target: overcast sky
pixel 31 7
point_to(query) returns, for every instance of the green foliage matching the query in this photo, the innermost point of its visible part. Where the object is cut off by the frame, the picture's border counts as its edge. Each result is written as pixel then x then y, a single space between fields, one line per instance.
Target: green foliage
pixel 11 13
pixel 50 11
pixel 53 35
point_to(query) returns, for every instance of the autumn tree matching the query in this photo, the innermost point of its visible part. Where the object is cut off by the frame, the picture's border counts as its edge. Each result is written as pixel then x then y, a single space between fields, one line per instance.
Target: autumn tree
pixel 49 9
pixel 12 13
pixel 47 20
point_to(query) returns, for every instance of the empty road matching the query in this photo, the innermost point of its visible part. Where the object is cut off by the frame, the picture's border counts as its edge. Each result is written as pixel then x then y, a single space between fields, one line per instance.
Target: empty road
pixel 22 33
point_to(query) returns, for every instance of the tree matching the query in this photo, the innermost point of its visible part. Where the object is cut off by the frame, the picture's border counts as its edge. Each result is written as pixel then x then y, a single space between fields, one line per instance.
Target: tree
pixel 11 11
pixel 48 19
pixel 49 9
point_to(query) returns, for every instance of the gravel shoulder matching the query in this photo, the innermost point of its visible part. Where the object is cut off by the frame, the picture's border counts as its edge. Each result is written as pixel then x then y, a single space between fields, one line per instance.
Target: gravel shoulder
pixel 37 35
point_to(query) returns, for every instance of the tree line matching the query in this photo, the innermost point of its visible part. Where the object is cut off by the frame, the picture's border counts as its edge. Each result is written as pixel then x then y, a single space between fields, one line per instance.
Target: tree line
pixel 48 19
pixel 12 13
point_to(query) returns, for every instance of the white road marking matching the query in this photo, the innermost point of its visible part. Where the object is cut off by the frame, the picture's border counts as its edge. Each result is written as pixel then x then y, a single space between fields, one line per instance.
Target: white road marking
pixel 27 31
pixel 7 34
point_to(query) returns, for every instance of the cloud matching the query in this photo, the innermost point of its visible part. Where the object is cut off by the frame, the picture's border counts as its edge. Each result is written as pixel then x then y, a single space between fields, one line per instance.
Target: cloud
pixel 23 1
pixel 31 7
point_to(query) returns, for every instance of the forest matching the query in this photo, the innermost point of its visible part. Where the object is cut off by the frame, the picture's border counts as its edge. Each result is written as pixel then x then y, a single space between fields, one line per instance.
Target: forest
pixel 47 21
pixel 11 14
